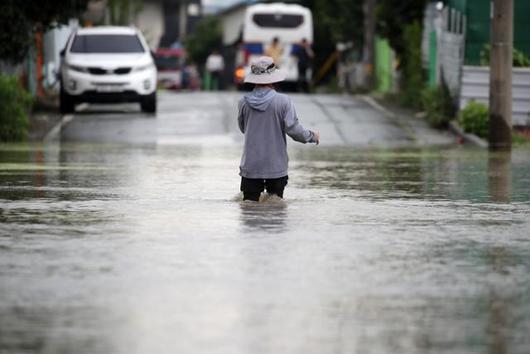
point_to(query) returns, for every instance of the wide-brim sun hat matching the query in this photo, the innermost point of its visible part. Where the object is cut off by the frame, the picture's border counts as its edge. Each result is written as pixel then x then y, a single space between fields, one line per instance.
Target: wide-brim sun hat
pixel 264 71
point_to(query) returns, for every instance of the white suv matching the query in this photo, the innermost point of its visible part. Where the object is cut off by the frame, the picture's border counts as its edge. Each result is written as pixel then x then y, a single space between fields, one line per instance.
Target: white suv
pixel 107 65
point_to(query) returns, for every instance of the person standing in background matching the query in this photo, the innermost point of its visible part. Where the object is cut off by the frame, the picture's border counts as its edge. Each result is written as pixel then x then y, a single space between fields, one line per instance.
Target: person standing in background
pixel 214 68
pixel 305 55
pixel 275 51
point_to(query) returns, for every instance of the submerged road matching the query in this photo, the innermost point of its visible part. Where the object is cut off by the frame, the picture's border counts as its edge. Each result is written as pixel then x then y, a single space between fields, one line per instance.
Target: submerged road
pixel 128 235
pixel 343 120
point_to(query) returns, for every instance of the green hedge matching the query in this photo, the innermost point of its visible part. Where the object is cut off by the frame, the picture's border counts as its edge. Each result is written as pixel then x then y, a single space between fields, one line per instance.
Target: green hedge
pixel 520 60
pixel 437 103
pixel 474 119
pixel 15 105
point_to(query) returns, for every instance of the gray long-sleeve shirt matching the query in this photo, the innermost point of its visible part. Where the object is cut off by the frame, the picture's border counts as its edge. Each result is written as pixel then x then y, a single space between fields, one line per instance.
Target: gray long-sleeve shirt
pixel 265 117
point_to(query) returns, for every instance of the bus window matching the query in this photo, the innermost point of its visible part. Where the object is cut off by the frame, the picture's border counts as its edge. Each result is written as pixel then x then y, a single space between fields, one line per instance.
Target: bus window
pixel 263 22
pixel 278 20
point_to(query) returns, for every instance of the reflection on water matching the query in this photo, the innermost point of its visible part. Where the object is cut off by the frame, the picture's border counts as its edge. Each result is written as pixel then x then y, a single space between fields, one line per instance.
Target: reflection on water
pixel 500 176
pixel 121 249
pixel 501 321
pixel 474 175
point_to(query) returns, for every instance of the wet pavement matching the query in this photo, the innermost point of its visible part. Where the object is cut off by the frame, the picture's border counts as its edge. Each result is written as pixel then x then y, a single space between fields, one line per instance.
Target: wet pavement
pixel 128 235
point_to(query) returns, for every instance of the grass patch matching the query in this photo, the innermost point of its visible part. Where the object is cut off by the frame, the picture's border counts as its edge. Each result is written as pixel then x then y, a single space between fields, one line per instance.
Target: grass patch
pixel 521 138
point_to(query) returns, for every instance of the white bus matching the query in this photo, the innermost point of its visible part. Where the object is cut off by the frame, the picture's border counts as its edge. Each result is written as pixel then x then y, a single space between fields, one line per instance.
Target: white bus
pixel 290 23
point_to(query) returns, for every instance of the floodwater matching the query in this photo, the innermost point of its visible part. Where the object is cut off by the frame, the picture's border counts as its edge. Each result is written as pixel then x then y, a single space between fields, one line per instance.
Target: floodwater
pixel 149 249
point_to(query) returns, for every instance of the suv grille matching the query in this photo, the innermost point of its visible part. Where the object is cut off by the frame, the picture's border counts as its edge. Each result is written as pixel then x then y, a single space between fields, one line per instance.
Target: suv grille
pixel 122 70
pixel 101 71
pixel 97 71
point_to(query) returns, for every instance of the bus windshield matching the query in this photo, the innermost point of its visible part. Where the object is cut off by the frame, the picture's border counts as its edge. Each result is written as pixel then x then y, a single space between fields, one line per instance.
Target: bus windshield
pixel 278 20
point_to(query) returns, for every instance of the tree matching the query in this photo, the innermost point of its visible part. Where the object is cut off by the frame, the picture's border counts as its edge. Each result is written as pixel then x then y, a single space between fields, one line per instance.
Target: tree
pixel 335 21
pixel 343 18
pixel 369 41
pixel 20 19
pixel 121 10
pixel 412 74
pixel 207 37
pixel 392 18
pixel 400 22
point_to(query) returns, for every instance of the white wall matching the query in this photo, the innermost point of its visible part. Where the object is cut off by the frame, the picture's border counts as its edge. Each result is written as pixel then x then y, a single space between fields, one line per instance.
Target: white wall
pixel 151 22
pixel 232 24
pixel 53 42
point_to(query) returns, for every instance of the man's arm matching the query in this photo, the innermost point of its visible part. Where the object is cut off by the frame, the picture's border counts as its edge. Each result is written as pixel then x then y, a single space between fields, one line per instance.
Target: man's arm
pixel 295 130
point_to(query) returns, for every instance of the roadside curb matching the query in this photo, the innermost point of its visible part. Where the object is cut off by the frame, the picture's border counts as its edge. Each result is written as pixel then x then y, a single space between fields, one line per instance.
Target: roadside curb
pixel 54 132
pixel 468 138
pixel 453 128
pixel 391 115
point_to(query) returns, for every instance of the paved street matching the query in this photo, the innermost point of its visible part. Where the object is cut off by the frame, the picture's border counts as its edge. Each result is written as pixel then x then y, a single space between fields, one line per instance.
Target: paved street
pixel 127 234
pixel 211 118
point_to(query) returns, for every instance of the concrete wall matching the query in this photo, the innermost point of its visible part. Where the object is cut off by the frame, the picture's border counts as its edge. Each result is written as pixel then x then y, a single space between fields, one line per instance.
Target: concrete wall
pixel 54 42
pixel 450 56
pixel 444 34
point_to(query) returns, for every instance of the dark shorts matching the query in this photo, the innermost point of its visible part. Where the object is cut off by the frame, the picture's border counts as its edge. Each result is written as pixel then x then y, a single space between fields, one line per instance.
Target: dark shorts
pixel 252 187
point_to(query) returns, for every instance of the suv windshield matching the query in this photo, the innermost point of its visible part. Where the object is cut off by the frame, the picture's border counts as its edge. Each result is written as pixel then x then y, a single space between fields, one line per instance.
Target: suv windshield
pixel 107 43
pixel 278 20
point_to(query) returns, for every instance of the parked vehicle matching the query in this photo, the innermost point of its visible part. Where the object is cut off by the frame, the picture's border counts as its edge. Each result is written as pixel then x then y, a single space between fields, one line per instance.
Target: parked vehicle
pixel 170 64
pixel 289 23
pixel 107 65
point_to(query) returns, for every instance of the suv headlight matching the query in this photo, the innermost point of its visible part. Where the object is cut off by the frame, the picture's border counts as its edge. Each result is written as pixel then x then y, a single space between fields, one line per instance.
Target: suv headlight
pixel 143 67
pixel 77 68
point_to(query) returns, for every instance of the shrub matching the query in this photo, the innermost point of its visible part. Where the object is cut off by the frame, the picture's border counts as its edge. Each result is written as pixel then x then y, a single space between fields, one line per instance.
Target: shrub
pixel 437 103
pixel 520 139
pixel 15 104
pixel 475 119
pixel 208 36
pixel 519 58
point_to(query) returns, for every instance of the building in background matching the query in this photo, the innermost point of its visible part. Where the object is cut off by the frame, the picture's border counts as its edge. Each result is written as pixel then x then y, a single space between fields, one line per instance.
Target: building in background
pixel 477 26
pixel 232 19
pixel 455 51
pixel 179 18
pixel 162 22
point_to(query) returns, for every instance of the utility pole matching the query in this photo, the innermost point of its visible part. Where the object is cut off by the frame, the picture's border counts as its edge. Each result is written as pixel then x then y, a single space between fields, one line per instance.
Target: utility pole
pixel 500 124
pixel 183 20
pixel 369 41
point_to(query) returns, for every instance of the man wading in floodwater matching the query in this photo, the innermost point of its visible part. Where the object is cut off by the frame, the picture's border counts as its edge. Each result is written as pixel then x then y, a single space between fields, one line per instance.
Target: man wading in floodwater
pixel 265 116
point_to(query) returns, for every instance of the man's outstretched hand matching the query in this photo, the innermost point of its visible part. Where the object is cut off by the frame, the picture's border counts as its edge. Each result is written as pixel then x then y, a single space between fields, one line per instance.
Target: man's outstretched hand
pixel 317 137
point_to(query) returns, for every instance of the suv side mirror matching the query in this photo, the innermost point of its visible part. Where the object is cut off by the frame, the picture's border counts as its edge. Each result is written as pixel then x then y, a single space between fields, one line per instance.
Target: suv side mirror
pixel 62 52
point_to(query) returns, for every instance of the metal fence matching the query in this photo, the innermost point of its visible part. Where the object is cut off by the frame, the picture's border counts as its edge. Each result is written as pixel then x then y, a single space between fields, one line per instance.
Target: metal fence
pixel 10 69
pixel 475 87
pixel 25 71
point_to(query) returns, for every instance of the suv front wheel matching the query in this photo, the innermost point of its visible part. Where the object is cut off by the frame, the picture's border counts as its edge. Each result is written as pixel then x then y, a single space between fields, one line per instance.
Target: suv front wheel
pixel 148 103
pixel 66 102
